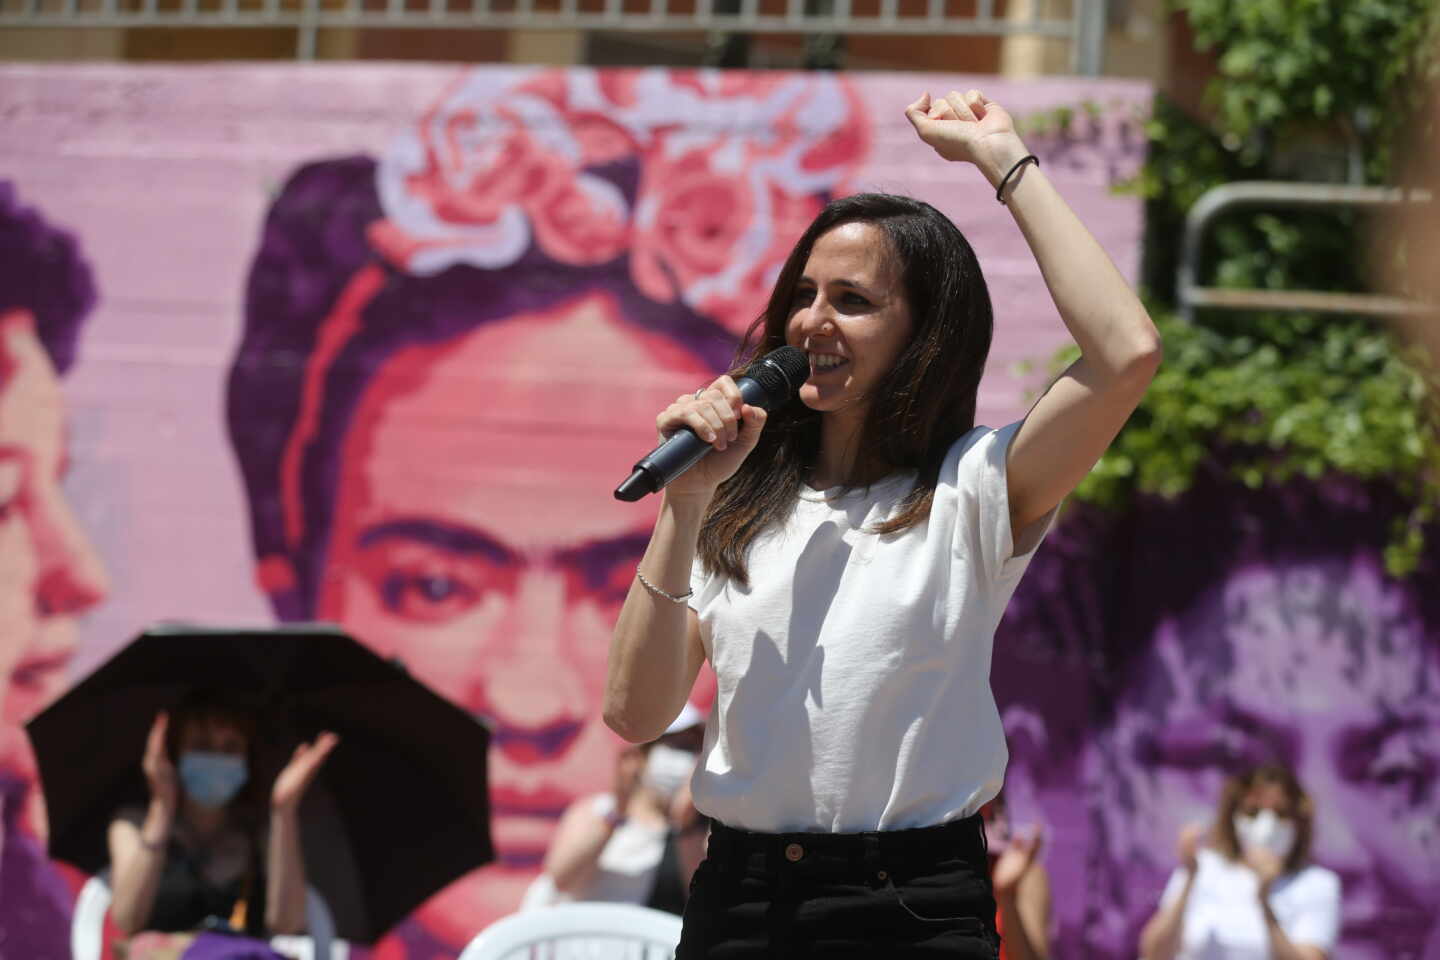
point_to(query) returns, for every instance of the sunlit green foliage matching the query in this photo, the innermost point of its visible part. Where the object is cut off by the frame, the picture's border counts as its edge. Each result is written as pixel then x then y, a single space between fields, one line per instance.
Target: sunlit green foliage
pixel 1269 397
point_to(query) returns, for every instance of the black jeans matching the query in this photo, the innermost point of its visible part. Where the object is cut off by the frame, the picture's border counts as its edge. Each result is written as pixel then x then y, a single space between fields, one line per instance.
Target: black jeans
pixel 893 894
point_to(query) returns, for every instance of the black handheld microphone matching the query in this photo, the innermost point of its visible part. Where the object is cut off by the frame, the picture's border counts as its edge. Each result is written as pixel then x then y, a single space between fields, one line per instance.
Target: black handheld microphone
pixel 769 383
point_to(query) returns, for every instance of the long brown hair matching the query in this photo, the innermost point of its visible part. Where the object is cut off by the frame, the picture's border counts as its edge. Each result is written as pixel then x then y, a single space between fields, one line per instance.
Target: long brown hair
pixel 1301 811
pixel 921 407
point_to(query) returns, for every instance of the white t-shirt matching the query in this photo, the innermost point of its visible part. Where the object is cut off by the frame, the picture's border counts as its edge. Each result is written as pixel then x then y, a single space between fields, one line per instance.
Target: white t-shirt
pixel 854 670
pixel 1223 919
pixel 624 872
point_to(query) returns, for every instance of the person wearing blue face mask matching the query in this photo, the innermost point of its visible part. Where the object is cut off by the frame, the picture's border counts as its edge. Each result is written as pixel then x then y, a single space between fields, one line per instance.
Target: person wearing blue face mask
pixel 207 852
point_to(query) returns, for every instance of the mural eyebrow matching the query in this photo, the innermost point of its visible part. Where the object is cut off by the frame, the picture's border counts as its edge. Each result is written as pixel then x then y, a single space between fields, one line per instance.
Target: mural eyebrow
pixel 597 558
pixel 1368 740
pixel 1279 737
pixel 456 539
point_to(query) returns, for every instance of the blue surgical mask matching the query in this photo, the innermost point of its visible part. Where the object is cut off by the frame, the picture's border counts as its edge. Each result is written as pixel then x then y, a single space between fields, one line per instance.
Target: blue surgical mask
pixel 212 779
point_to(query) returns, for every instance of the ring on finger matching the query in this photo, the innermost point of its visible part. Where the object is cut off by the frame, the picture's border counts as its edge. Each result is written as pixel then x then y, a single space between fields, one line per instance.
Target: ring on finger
pixel 698 392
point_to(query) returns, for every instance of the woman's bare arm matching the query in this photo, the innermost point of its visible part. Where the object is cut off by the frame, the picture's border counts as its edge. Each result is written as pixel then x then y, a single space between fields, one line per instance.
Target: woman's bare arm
pixel 656 652
pixel 285 892
pixel 137 860
pixel 1071 425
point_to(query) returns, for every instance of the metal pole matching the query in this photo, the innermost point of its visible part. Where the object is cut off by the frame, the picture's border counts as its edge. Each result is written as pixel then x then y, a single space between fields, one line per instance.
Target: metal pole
pixel 305 32
pixel 1089 50
pixel 1264 193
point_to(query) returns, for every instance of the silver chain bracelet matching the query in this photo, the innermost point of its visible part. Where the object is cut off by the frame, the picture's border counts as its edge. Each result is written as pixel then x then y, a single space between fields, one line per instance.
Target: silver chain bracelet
pixel 672 597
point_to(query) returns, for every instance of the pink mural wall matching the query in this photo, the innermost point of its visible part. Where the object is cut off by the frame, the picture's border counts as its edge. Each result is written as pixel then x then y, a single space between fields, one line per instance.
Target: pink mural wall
pixel 373 344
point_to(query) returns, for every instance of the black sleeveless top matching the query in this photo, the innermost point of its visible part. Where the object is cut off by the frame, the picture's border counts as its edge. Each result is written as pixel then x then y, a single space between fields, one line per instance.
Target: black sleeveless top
pixel 186 900
pixel 668 893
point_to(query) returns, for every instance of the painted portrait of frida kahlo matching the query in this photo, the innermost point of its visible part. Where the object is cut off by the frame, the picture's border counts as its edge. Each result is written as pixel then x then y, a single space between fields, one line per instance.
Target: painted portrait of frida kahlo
pixel 449 358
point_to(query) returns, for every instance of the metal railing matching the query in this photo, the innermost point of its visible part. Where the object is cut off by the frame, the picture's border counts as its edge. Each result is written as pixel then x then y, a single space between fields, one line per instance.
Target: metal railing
pixel 1084 28
pixel 1275 194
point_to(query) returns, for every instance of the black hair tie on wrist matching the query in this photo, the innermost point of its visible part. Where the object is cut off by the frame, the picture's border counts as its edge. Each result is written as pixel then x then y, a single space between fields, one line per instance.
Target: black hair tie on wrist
pixel 1000 190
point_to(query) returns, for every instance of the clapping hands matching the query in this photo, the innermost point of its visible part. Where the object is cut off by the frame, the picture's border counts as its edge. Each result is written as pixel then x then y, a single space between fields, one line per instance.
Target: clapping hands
pixel 1016 861
pixel 160 775
pixel 1267 868
pixel 1193 836
pixel 300 772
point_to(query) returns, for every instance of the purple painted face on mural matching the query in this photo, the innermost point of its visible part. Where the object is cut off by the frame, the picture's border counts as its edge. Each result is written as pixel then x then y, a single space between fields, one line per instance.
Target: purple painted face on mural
pixel 1323 664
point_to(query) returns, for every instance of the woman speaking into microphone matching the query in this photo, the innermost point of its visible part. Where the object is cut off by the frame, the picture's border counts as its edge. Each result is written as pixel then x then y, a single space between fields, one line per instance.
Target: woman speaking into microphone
pixel 843 562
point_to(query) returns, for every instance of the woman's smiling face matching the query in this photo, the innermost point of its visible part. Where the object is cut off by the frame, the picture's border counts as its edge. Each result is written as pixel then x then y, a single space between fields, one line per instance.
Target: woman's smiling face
pixel 851 316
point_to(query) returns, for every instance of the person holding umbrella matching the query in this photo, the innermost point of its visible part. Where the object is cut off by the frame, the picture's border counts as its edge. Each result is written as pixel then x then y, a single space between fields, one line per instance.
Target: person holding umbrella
pixel 243 737
pixel 192 859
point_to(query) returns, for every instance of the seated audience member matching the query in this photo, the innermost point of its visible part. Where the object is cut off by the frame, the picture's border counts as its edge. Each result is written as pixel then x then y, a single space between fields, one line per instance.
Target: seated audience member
pixel 208 854
pixel 1251 892
pixel 1021 885
pixel 638 844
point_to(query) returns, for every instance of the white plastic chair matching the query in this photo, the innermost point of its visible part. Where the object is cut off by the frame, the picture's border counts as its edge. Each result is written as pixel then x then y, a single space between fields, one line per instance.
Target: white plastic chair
pixel 87 927
pixel 579 931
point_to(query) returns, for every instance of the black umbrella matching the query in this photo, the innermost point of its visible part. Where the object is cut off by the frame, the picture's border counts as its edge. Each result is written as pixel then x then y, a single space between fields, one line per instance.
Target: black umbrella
pixel 400 807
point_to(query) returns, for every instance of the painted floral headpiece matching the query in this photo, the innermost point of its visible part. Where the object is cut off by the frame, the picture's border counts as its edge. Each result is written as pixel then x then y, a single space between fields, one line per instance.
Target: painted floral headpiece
pixel 705 178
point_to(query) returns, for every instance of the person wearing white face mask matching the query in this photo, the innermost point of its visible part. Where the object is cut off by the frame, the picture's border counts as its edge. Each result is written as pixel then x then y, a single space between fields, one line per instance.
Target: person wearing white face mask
pixel 1251 894
pixel 207 852
pixel 639 843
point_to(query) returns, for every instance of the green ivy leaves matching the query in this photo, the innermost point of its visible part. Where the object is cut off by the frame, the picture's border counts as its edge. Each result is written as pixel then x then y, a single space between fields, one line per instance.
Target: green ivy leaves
pixel 1282 61
pixel 1273 404
pixel 1271 397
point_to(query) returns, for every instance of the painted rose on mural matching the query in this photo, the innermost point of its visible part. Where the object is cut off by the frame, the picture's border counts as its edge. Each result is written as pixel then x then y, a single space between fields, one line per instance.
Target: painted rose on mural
pixel 49 572
pixel 1241 627
pixel 701 181
pixel 451 355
